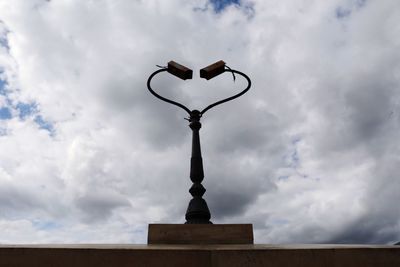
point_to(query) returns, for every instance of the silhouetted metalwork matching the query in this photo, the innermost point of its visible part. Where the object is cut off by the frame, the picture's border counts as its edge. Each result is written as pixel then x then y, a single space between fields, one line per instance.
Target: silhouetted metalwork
pixel 197 211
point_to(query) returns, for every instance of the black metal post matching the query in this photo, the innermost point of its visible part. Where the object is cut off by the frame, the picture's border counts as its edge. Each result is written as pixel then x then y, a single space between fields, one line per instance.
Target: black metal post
pixel 197 211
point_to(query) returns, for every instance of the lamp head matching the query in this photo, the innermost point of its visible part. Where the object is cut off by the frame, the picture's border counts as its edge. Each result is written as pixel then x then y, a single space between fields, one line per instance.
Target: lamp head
pixel 179 70
pixel 213 70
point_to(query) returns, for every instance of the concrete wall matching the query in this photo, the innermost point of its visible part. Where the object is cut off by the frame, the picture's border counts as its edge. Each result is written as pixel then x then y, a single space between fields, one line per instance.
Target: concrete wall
pixel 199 255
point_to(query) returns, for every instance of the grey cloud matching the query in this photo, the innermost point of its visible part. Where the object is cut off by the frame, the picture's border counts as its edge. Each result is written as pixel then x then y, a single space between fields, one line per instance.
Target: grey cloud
pixel 15 200
pixel 330 84
pixel 251 133
pixel 370 109
pixel 225 203
pixel 367 230
pixel 233 187
pixel 99 206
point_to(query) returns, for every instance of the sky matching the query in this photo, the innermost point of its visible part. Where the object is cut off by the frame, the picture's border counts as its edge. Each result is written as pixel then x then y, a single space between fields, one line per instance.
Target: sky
pixel 311 154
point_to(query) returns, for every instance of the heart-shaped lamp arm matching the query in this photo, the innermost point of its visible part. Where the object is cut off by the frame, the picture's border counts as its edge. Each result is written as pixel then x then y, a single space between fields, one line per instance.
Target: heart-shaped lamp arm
pixel 208 73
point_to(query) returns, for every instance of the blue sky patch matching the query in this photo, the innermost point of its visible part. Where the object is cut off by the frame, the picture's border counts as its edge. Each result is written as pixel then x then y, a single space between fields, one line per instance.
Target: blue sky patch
pixel 283 177
pixel 292 159
pixel 342 12
pixel 3 37
pixel 4 43
pixel 43 124
pixel 2 87
pixel 360 3
pixel 345 12
pixel 5 113
pixel 3 131
pixel 45 225
pixel 26 109
pixel 219 5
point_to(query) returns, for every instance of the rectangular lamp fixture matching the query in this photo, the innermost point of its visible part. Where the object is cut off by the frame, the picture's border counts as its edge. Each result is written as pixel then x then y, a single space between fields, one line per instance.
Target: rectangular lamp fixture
pixel 179 71
pixel 213 70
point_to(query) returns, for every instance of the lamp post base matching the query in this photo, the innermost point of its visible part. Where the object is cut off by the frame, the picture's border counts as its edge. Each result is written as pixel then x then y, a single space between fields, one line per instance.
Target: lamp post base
pixel 198 212
pixel 200 234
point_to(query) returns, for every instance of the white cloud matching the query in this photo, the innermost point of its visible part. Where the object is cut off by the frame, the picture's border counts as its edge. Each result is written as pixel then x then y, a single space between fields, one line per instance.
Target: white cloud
pixel 309 154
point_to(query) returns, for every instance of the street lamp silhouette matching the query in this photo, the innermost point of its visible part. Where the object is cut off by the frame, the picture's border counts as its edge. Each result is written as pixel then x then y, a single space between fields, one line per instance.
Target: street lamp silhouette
pixel 197 211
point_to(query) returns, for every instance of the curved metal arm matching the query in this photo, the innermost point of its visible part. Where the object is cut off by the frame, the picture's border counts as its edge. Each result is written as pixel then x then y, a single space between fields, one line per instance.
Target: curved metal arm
pixel 232 97
pixel 210 106
pixel 163 98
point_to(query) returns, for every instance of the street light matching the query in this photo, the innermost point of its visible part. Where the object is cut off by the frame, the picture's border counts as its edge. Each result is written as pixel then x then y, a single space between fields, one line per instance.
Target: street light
pixel 197 211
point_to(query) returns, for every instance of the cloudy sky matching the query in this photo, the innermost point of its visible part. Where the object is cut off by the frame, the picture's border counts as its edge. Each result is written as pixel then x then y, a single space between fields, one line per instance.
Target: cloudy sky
pixel 311 154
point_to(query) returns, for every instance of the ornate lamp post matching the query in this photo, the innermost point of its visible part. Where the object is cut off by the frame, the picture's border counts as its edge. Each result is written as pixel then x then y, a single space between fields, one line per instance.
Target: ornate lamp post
pixel 197 211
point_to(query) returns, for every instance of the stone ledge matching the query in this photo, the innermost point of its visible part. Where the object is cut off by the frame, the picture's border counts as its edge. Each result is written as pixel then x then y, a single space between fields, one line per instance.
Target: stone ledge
pixel 199 255
pixel 200 234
